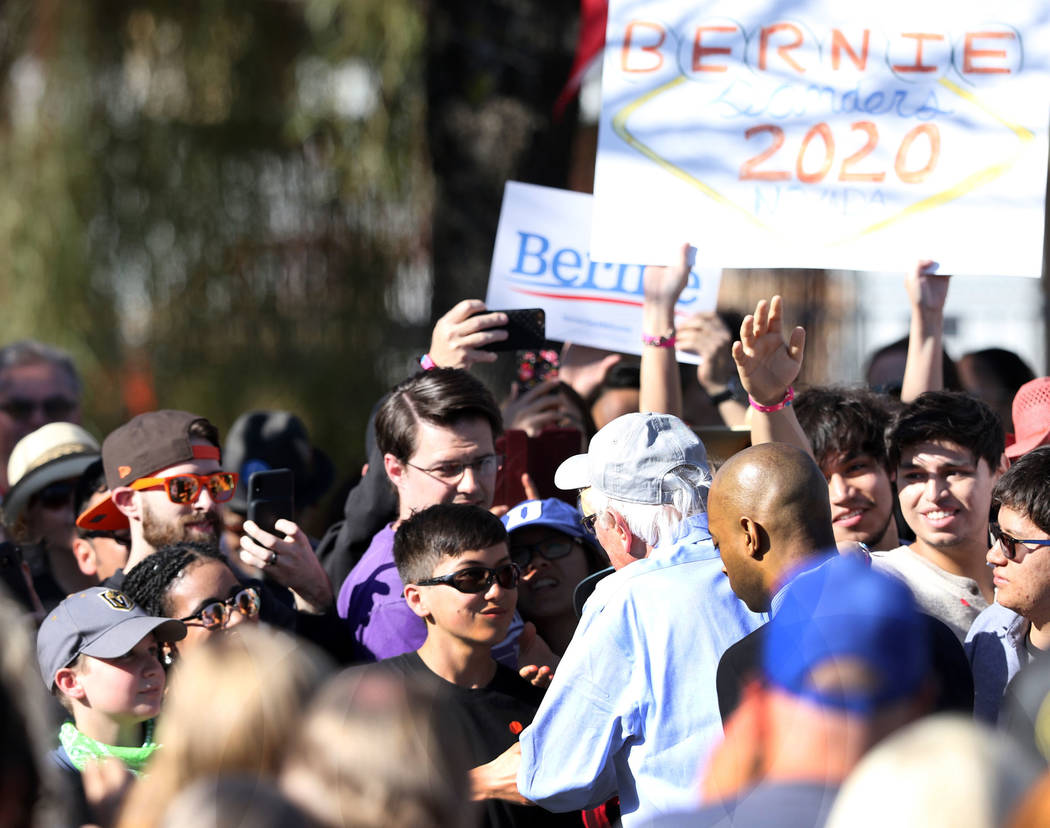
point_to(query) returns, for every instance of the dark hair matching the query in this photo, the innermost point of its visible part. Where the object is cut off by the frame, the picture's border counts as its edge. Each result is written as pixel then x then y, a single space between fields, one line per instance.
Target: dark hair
pixel 31 352
pixel 148 582
pixel 950 372
pixel 1023 487
pixel 578 402
pixel 443 531
pixel 205 431
pixel 442 396
pixel 950 416
pixel 1002 367
pixel 91 481
pixel 847 421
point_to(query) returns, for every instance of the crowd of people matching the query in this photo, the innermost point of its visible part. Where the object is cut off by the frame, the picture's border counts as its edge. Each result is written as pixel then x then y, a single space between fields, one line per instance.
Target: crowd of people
pixel 586 605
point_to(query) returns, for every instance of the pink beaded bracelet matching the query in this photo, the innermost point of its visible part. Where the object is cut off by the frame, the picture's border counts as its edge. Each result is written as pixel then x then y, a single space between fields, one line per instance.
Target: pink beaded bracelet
pixel 659 341
pixel 789 395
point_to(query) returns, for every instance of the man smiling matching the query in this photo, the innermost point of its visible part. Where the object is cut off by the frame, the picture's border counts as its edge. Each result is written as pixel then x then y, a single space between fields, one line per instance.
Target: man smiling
pixel 1007 635
pixel 947 450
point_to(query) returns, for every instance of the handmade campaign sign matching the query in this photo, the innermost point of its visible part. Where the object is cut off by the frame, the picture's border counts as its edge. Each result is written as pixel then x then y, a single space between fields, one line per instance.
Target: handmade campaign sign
pixel 822 134
pixel 541 261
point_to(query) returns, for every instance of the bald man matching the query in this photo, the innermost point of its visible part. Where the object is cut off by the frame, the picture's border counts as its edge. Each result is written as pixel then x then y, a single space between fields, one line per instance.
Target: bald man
pixel 770 518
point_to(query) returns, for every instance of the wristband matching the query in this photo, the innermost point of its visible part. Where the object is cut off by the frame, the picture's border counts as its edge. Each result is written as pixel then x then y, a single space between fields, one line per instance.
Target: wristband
pixel 722 396
pixel 789 395
pixel 659 341
pixel 426 363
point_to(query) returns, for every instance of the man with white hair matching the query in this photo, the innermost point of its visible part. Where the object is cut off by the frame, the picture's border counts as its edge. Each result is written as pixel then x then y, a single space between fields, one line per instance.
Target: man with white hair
pixel 632 709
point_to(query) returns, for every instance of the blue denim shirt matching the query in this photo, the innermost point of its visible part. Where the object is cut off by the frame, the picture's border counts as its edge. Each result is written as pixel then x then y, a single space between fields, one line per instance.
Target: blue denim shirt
pixel 995 646
pixel 632 709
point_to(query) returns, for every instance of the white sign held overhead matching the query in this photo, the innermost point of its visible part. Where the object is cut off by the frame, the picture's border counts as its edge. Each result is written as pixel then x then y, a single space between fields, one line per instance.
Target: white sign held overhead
pixel 824 134
pixel 541 261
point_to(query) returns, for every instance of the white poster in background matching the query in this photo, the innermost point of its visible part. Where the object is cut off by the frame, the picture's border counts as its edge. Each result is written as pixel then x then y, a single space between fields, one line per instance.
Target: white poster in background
pixel 541 261
pixel 821 134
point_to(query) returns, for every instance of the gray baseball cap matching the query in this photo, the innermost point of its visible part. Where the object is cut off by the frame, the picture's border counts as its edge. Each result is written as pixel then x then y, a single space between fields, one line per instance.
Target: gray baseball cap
pixel 628 459
pixel 99 622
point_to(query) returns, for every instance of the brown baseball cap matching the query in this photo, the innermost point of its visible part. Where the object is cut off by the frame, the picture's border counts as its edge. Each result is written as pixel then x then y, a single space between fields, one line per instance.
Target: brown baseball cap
pixel 144 445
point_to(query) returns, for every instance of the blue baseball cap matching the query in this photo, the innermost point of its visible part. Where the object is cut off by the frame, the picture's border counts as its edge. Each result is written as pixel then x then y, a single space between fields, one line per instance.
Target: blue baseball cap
pixel 551 512
pixel 845 612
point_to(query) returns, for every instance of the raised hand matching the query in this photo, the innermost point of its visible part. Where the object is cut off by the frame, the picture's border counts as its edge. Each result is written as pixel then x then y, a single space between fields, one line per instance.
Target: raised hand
pixel 766 363
pixel 459 334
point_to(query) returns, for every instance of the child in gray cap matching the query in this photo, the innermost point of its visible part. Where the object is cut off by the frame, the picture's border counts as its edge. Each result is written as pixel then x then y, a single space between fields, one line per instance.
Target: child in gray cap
pixel 98 653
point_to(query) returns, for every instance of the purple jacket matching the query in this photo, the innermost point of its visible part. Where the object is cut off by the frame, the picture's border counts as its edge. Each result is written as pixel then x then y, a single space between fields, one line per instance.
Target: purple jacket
pixel 382 624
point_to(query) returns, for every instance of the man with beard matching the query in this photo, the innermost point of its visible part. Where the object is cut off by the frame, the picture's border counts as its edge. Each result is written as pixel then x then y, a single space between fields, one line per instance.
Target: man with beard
pixel 165 483
pixel 166 486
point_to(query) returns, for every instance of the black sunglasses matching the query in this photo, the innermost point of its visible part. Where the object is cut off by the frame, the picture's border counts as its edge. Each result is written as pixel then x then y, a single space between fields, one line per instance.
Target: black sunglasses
pixel 54 408
pixel 1008 542
pixel 55 496
pixel 522 553
pixel 475 579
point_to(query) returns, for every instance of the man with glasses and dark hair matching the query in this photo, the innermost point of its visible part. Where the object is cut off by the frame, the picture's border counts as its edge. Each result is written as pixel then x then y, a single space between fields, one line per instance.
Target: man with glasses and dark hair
pixel 437 432
pixel 1007 635
pixel 38 385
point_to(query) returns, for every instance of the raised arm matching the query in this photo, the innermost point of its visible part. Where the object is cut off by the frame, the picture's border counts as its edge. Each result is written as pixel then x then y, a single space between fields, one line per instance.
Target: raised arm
pixel 661 387
pixel 706 334
pixel 767 366
pixel 927 292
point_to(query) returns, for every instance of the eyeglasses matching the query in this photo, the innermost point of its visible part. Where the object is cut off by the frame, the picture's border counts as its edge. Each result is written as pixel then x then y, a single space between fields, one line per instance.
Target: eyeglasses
pixel 217 615
pixel 1008 542
pixel 475 579
pixel 452 473
pixel 588 521
pixel 522 554
pixel 55 408
pixel 56 496
pixel 186 488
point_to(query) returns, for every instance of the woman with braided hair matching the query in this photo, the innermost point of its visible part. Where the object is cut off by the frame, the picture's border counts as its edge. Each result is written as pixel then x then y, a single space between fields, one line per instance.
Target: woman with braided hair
pixel 192 582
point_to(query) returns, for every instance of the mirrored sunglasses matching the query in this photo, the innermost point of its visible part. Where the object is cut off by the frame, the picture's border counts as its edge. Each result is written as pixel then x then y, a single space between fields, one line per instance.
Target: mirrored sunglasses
pixel 475 579
pixel 186 488
pixel 217 615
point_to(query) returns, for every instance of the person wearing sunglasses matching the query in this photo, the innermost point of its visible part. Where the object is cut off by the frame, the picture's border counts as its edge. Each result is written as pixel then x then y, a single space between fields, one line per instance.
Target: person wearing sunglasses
pixel 554 553
pixel 38 385
pixel 38 510
pixel 461 583
pixel 1014 629
pixel 167 485
pixel 192 582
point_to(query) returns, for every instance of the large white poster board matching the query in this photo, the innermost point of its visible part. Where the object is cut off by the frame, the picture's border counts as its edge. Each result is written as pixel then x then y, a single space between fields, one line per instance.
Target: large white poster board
pixel 825 134
pixel 541 261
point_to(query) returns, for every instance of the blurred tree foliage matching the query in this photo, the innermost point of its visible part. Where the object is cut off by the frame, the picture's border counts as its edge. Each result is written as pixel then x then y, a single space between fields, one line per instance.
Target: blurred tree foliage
pixel 216 205
pixel 221 205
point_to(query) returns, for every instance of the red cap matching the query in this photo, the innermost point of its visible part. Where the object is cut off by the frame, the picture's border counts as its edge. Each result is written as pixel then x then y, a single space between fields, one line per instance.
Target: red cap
pixel 1031 416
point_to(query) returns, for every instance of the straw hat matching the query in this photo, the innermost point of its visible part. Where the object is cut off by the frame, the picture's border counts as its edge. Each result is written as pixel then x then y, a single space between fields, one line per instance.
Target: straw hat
pixel 56 451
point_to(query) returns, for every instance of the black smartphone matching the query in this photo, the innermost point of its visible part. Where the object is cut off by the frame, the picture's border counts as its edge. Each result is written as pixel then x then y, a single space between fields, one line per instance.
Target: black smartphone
pixel 526 330
pixel 271 496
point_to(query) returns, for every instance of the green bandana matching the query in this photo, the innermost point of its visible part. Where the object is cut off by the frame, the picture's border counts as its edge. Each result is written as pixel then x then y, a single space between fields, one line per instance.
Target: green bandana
pixel 82 749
